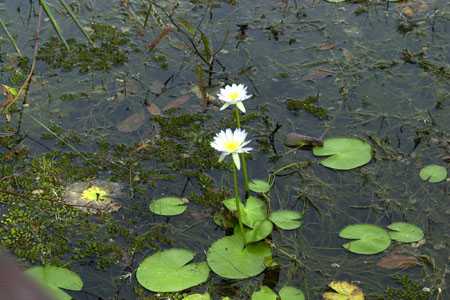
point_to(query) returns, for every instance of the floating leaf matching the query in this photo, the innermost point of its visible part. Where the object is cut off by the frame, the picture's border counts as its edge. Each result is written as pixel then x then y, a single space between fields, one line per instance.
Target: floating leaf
pixel 153 109
pixel 369 239
pixel 170 271
pixel 433 173
pixel 344 153
pixel 254 211
pixel 405 232
pixel 53 279
pixel 259 186
pixel 228 257
pixel 291 293
pixel 205 296
pixel 132 123
pixel 344 291
pixel 168 206
pixel 286 219
pixel 177 103
pixel 396 261
pixel 319 73
pixel 265 293
pixel 260 231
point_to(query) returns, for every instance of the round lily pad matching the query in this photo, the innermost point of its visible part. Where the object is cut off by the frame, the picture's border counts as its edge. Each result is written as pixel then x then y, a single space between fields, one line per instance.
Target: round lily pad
pixel 168 206
pixel 286 219
pixel 259 186
pixel 265 293
pixel 53 279
pixel 170 271
pixel 433 173
pixel 229 258
pixel 405 232
pixel 368 239
pixel 344 153
pixel 291 293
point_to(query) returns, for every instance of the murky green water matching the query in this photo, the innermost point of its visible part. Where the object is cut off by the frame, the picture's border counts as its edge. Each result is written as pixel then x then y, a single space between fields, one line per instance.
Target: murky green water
pixel 381 71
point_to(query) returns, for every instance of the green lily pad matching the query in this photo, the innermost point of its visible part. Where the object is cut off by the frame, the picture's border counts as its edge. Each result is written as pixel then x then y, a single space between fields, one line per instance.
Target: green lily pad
pixel 168 206
pixel 260 231
pixel 259 186
pixel 344 153
pixel 291 293
pixel 169 271
pixel 286 219
pixel 368 239
pixel 53 279
pixel 433 173
pixel 205 296
pixel 405 232
pixel 254 211
pixel 265 293
pixel 229 258
pixel 286 293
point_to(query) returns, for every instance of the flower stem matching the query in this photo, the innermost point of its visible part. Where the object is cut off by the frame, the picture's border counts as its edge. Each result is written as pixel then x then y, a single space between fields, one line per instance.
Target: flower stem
pixel 242 155
pixel 237 199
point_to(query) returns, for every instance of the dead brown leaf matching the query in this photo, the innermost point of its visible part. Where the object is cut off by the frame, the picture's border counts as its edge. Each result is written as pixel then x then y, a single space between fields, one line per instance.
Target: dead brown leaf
pixel 153 109
pixel 398 261
pixel 132 122
pixel 177 103
pixel 319 73
pixel 327 46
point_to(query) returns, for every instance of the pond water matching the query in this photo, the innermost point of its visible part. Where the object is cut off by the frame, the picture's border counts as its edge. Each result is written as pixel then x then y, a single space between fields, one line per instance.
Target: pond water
pixel 376 70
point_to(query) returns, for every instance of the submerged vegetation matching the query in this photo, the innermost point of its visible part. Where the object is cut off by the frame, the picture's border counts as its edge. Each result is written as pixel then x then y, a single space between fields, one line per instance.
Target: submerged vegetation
pixel 227 149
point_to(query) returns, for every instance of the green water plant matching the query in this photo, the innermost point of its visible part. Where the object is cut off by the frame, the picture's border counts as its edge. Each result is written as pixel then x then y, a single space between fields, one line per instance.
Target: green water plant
pixel 371 239
pixel 230 257
pixel 433 173
pixel 344 153
pixel 343 290
pixel 204 296
pixel 168 206
pixel 54 279
pixel 286 293
pixel 286 219
pixel 259 186
pixel 171 271
pixel 366 239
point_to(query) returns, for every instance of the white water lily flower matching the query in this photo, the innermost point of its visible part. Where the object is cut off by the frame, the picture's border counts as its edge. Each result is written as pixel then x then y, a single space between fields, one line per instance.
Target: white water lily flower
pixel 229 142
pixel 234 95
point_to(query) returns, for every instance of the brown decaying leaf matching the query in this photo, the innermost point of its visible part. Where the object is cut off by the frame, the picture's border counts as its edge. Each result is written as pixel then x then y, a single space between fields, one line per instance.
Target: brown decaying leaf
pixel 166 30
pixel 348 56
pixel 132 122
pixel 397 261
pixel 153 109
pixel 318 73
pixel 327 46
pixel 177 103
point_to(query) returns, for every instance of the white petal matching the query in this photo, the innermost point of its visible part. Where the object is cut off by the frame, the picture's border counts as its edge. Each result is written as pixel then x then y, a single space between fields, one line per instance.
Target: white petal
pixel 236 160
pixel 241 107
pixel 224 106
pixel 222 156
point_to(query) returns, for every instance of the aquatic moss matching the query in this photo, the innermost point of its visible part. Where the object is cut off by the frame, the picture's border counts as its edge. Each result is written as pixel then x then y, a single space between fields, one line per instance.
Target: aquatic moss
pixel 110 50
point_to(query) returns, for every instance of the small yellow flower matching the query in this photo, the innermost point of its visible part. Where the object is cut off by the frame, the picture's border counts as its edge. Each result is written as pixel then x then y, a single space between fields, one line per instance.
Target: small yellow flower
pixel 234 95
pixel 94 193
pixel 229 142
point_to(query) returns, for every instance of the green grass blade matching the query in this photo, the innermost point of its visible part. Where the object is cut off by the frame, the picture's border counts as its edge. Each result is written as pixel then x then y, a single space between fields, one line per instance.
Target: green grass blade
pixel 10 37
pixel 77 22
pixel 54 22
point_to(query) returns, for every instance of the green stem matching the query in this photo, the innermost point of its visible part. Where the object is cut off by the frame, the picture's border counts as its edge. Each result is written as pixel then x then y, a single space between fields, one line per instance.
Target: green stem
pixel 242 155
pixel 237 199
pixel 54 23
pixel 77 22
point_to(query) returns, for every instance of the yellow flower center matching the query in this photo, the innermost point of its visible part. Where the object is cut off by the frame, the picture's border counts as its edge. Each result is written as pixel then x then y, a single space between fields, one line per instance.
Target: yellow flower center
pixel 94 193
pixel 231 146
pixel 234 95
